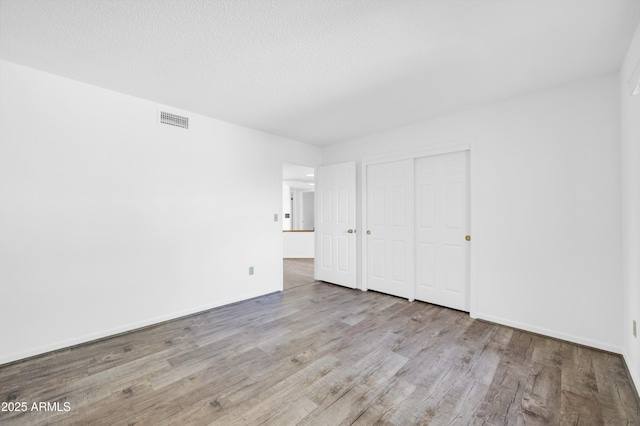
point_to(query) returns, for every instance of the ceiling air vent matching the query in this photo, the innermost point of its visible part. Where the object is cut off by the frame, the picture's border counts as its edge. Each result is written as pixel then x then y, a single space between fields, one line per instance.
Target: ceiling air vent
pixel 174 120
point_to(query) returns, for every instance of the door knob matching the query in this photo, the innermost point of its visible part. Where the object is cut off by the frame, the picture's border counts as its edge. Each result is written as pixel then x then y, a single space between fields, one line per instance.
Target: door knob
pixel 368 232
pixel 468 238
pixel 351 231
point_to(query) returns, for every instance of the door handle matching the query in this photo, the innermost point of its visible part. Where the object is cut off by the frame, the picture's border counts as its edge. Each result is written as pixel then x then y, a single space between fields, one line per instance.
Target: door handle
pixel 351 231
pixel 368 232
pixel 468 238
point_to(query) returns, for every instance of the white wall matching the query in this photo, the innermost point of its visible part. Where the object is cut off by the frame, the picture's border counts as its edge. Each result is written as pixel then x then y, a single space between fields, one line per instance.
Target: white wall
pixel 110 221
pixel 286 208
pixel 630 112
pixel 298 245
pixel 297 209
pixel 547 199
pixel 308 209
pixel 303 209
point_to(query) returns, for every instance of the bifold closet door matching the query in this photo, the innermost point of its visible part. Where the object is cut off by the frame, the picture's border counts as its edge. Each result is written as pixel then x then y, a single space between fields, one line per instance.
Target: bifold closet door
pixel 389 235
pixel 441 225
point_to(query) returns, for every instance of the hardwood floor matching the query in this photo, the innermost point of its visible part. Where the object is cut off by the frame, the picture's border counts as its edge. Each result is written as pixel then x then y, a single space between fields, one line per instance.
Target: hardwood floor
pixel 320 354
pixel 297 272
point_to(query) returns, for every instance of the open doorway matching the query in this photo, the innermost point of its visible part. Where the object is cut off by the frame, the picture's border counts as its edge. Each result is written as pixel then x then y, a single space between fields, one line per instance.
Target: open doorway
pixel 298 198
pixel 297 272
pixel 298 217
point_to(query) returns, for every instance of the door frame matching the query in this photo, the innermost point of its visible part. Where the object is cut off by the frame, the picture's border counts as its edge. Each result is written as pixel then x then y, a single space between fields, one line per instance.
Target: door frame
pixel 467 144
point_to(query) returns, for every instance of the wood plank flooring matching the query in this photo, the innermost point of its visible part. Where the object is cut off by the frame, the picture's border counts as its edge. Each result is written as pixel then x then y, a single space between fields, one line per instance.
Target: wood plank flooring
pixel 320 354
pixel 297 272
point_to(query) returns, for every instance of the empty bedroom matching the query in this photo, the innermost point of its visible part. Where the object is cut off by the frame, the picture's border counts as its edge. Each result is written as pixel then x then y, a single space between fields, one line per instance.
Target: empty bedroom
pixel 319 212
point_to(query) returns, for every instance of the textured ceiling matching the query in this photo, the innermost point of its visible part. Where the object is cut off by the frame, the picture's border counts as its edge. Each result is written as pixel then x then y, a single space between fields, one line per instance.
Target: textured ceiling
pixel 320 71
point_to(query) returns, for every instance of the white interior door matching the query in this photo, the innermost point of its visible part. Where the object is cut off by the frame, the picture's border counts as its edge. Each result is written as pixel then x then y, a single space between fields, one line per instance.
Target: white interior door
pixel 335 223
pixel 442 223
pixel 389 235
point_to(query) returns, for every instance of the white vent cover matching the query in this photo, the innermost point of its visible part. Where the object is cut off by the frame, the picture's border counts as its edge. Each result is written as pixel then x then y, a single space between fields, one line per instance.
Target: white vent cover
pixel 174 119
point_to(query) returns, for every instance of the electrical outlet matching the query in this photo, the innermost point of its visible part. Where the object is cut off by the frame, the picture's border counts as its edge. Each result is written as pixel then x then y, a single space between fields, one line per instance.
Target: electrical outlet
pixel 635 332
pixel 250 270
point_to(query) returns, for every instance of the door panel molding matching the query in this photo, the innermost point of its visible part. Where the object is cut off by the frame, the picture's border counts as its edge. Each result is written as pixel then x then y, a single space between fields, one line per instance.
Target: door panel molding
pixel 391 210
pixel 335 239
pixel 466 144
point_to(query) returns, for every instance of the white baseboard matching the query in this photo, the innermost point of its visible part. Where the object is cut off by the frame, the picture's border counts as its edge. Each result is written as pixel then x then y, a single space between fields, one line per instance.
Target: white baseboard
pixel 16 356
pixel 552 333
pixel 634 371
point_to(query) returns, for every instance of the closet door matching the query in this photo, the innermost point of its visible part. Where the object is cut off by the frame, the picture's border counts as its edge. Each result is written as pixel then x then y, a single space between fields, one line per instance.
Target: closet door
pixel 389 235
pixel 441 225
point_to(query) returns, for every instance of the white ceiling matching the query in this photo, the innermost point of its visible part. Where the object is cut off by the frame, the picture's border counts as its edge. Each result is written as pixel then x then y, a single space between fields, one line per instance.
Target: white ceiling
pixel 298 177
pixel 320 71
